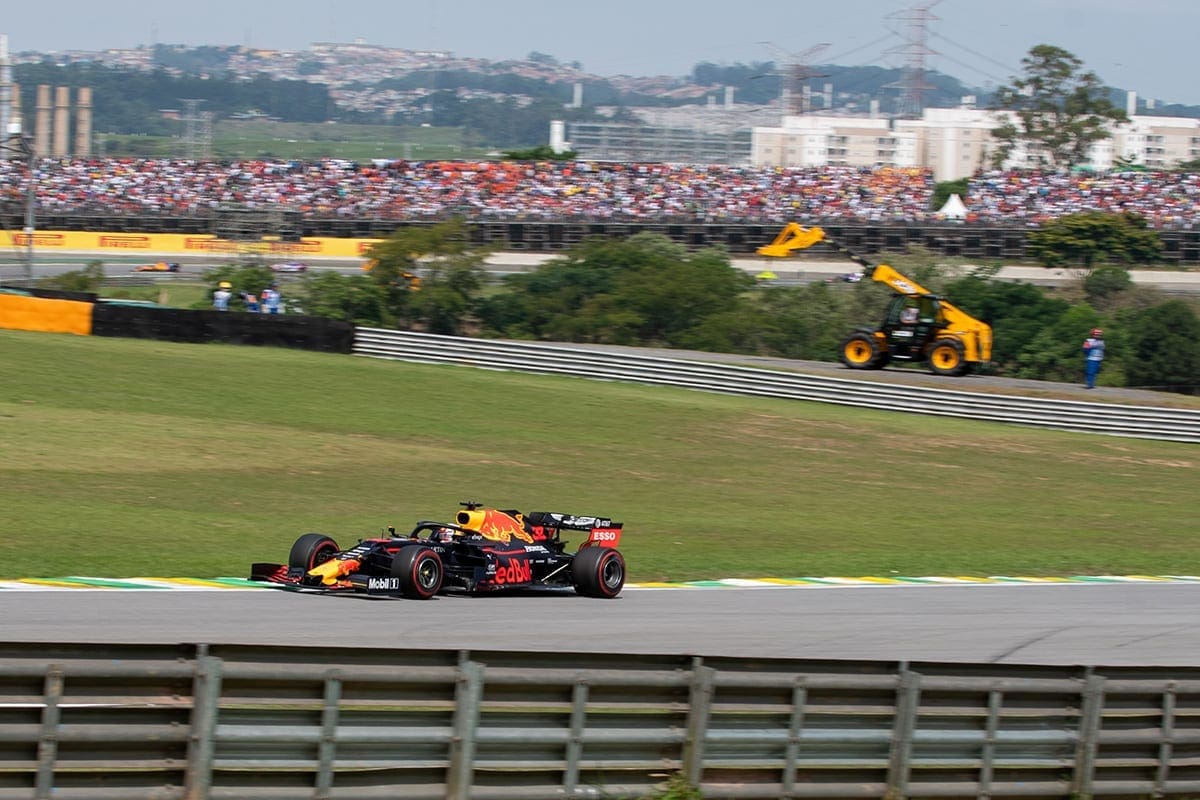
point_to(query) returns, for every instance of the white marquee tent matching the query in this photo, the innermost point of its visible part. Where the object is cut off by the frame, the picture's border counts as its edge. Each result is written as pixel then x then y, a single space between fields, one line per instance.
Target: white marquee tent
pixel 954 208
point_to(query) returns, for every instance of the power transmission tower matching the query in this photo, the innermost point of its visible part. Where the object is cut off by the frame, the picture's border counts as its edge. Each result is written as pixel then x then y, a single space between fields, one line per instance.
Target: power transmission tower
pixel 912 83
pixel 795 71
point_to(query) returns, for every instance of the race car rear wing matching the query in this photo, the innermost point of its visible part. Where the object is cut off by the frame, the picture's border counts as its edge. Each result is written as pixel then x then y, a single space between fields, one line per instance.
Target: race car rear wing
pixel 602 531
pixel 552 519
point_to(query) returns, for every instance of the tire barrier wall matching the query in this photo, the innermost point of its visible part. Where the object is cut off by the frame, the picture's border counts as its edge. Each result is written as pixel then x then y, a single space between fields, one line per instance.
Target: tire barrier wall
pixel 978 241
pixel 183 325
pixel 22 311
pixel 240 722
pixel 1172 424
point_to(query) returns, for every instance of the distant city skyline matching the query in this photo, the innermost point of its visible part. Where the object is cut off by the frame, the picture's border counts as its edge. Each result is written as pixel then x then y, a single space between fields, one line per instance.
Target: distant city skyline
pixel 1144 46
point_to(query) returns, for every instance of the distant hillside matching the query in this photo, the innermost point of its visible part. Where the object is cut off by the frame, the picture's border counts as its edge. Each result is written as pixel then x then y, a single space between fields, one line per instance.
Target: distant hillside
pixel 500 105
pixel 853 88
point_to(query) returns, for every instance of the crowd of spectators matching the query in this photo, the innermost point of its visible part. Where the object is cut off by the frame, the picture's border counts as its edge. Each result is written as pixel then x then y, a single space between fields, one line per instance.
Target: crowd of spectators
pixel 505 190
pixel 1165 199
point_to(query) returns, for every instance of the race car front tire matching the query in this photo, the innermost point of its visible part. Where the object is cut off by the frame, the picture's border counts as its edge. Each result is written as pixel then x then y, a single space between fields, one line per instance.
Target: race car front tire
pixel 598 572
pixel 420 571
pixel 311 550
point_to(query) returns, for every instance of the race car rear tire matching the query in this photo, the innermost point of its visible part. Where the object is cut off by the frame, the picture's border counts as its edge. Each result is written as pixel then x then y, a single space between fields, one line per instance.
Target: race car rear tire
pixel 311 550
pixel 420 571
pixel 598 572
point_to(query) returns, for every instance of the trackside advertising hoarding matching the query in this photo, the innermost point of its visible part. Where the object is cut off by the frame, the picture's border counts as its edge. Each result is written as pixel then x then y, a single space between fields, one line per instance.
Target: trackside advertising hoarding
pixel 184 244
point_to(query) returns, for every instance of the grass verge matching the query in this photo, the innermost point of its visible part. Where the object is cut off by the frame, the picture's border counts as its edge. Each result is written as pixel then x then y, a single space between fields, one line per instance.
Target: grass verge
pixel 122 458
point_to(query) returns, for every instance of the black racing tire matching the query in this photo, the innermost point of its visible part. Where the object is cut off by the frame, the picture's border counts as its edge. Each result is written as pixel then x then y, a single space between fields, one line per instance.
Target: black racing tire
pixel 420 571
pixel 946 357
pixel 860 350
pixel 311 550
pixel 598 572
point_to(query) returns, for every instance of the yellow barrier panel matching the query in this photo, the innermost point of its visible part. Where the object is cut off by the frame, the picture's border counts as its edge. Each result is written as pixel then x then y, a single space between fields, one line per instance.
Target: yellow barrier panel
pixel 153 244
pixel 20 313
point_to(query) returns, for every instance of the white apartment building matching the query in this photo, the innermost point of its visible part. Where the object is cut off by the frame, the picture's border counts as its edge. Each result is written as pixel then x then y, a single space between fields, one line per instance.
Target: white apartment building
pixel 811 140
pixel 1155 142
pixel 956 142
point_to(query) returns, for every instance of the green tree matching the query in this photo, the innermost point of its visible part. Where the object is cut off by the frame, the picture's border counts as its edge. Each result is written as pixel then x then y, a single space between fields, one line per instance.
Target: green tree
pixel 1017 312
pixel 1052 353
pixel 1057 110
pixel 943 190
pixel 1087 237
pixel 1106 283
pixel 396 260
pixel 353 298
pixel 246 279
pixel 88 279
pixel 811 321
pixel 645 289
pixel 449 294
pixel 743 328
pixel 1165 349
pixel 540 153
pixel 675 295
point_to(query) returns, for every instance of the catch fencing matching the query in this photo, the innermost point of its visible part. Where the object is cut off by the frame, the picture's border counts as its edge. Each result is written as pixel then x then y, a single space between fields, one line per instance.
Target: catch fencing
pixel 1150 422
pixel 240 722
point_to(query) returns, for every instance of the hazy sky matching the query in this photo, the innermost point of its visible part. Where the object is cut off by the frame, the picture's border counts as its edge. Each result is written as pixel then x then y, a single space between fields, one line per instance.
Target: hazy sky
pixel 1144 45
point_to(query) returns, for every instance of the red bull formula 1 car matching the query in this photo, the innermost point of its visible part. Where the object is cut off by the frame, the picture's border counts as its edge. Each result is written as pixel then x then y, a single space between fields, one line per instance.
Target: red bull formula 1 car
pixel 484 550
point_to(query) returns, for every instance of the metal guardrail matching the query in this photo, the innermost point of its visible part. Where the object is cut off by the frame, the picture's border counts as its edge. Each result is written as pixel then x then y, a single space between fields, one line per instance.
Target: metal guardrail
pixel 1172 424
pixel 240 722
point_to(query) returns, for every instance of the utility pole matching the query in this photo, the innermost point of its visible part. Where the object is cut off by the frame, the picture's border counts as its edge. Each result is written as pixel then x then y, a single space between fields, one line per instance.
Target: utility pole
pixel 13 144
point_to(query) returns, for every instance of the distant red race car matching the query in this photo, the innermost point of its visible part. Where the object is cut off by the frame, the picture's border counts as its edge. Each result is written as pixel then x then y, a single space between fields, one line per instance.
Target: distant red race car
pixel 484 550
pixel 290 267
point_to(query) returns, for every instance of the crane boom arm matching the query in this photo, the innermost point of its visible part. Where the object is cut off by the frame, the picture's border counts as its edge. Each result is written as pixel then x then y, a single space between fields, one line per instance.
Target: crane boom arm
pixel 900 284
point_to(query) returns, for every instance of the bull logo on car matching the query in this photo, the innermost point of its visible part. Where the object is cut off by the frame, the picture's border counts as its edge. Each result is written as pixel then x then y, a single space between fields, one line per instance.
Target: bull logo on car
pixel 494 525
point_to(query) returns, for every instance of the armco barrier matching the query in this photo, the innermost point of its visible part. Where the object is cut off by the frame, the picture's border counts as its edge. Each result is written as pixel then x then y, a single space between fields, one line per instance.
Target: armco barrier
pixel 236 722
pixel 1173 424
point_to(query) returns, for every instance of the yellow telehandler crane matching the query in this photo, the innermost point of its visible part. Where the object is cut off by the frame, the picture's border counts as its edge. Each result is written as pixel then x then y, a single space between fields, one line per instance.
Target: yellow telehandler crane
pixel 919 326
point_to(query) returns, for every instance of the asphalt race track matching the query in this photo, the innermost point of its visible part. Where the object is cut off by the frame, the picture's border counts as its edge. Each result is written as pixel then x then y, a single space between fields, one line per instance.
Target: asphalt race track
pixel 1143 624
pixel 1136 624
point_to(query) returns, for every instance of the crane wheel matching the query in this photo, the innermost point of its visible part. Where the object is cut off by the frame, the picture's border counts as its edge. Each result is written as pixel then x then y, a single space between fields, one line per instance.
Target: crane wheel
pixel 946 357
pixel 860 351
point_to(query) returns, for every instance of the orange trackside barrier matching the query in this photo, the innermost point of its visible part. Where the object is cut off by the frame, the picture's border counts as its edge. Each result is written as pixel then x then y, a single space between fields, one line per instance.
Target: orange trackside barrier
pixel 20 313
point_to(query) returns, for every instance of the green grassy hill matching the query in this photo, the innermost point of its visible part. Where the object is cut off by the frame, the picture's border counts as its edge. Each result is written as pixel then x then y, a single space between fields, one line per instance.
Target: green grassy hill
pixel 126 458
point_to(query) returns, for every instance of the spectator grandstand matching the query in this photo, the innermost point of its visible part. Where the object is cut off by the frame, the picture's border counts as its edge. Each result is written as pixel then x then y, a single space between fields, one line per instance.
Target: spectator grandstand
pixel 548 191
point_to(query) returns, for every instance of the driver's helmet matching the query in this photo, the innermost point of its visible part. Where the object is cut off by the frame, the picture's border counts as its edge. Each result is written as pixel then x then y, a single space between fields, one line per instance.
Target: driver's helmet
pixel 443 535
